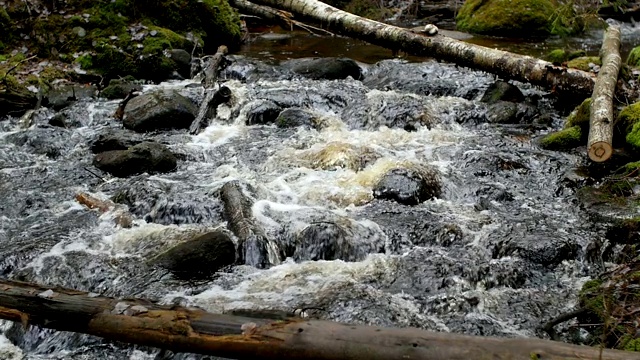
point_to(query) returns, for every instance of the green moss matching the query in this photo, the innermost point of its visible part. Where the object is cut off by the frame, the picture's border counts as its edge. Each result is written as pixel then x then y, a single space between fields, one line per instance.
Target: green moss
pixel 85 61
pixel 367 8
pixel 628 117
pixel 633 137
pixel 506 17
pixel 557 56
pixel 563 139
pixel 577 54
pixel 582 63
pixel 580 116
pixel 592 298
pixel 630 344
pixel 634 57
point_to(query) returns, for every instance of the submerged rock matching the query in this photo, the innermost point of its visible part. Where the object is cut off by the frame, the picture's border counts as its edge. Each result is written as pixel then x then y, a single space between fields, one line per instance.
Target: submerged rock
pixel 294 117
pixel 199 257
pixel 502 91
pixel 49 141
pixel 147 157
pixel 159 110
pixel 323 241
pixel 408 186
pixel 325 68
pixel 261 112
pixel 506 112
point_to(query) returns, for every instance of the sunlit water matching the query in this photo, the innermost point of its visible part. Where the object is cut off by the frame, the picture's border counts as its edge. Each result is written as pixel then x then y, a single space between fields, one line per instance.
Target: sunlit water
pixel 499 252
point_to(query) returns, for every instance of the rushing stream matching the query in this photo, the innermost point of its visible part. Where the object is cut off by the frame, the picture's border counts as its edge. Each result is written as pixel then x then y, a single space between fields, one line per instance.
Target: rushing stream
pixel 501 249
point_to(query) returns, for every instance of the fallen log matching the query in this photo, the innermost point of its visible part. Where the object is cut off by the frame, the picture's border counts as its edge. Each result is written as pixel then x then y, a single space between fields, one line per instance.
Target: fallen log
pixel 210 73
pixel 509 66
pixel 601 115
pixel 194 330
pixel 253 242
pixel 284 18
pixel 208 109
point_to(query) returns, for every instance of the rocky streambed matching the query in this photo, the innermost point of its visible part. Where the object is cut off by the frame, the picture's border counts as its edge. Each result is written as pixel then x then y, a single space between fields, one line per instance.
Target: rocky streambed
pixel 395 193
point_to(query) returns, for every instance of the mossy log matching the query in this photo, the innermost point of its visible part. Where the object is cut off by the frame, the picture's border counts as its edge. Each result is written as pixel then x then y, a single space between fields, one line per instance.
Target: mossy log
pixel 509 66
pixel 193 330
pixel 601 116
pixel 16 102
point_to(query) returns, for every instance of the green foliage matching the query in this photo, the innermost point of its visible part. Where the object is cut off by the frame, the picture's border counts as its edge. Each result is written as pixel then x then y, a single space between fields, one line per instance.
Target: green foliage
pixel 85 61
pixel 630 344
pixel 511 18
pixel 562 140
pixel 367 8
pixel 576 16
pixel 582 63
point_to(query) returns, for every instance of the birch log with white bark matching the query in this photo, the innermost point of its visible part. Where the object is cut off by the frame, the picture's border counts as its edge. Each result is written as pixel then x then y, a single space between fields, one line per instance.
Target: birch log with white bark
pixel 507 65
pixel 194 330
pixel 601 116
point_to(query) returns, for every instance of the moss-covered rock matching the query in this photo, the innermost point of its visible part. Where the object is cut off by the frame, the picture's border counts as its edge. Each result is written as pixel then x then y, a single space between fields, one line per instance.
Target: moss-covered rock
pixel 634 57
pixel 557 56
pixel 627 129
pixel 509 18
pixel 562 140
pixel 580 116
pixel 582 63
pixel 577 54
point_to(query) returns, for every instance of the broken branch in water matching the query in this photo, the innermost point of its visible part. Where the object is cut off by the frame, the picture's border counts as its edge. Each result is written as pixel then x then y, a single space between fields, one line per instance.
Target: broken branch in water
pixel 121 216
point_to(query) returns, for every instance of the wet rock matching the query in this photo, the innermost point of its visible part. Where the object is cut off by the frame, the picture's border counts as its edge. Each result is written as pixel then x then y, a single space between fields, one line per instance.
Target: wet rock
pixel 59 120
pixel 62 96
pixel 543 249
pixel 408 186
pixel 325 68
pixel 49 141
pixel 505 112
pixel 296 117
pixel 199 257
pixel 182 59
pixel 390 109
pixel 564 139
pixel 261 112
pixel 114 139
pixel 120 88
pixel 502 91
pixel 323 241
pixel 159 110
pixel 145 157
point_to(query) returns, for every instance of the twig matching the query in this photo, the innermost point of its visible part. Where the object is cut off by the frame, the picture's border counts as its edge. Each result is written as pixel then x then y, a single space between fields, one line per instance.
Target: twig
pixel 94 174
pixel 4 79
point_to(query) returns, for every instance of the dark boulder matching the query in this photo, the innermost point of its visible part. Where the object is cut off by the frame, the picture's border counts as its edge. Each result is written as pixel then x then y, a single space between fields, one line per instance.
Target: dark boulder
pixel 408 186
pixel 59 120
pixel 506 112
pixel 502 91
pixel 114 139
pixel 325 68
pixel 120 88
pixel 323 241
pixel 159 110
pixel 199 257
pixel 296 117
pixel 147 157
pixel 543 249
pixel 262 112
pixel 182 60
pixel 62 96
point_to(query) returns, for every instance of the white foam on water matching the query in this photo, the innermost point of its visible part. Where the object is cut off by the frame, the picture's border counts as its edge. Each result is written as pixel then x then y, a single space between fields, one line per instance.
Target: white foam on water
pixel 8 351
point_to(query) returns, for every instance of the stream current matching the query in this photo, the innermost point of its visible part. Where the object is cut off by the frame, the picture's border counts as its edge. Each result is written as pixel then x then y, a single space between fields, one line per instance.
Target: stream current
pixel 500 251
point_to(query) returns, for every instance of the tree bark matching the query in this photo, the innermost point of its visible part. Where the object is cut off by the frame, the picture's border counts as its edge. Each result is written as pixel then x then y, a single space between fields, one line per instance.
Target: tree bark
pixel 601 116
pixel 193 330
pixel 509 66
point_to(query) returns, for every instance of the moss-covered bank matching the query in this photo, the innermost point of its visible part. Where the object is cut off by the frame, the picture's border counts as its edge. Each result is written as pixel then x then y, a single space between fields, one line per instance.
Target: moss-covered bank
pixel 120 37
pixel 510 18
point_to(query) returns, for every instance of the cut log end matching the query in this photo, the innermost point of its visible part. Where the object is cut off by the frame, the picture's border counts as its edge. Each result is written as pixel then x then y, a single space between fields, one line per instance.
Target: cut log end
pixel 600 151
